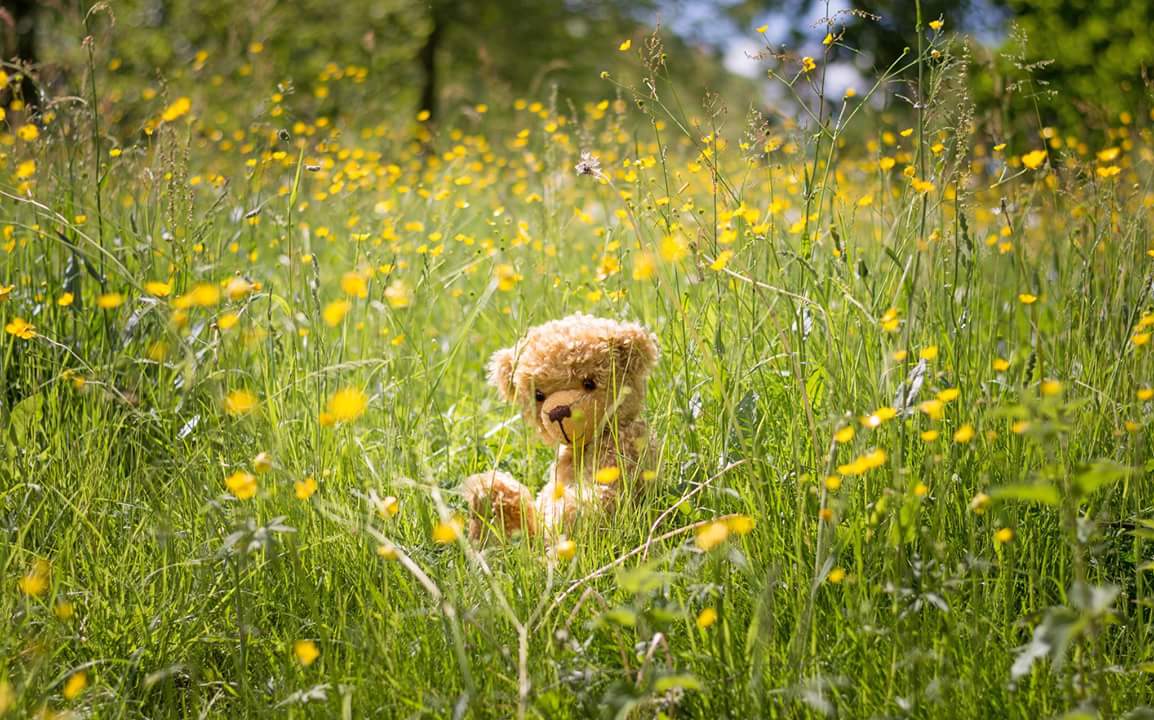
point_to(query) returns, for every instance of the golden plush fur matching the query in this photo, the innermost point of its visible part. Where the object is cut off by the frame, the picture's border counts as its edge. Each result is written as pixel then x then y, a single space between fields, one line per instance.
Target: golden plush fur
pixel 580 383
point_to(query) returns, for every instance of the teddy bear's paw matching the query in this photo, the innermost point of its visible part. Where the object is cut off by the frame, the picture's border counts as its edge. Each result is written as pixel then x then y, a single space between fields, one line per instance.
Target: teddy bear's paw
pixel 498 502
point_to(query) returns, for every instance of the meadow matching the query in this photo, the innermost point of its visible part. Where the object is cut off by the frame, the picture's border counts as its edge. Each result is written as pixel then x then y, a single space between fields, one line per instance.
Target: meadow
pixel 905 399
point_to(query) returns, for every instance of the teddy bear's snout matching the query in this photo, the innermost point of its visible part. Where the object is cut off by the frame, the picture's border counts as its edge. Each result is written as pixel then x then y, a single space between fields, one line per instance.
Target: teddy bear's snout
pixel 559 413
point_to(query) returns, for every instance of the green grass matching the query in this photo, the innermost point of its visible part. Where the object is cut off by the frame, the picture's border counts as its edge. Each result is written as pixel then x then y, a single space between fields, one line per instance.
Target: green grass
pixel 186 601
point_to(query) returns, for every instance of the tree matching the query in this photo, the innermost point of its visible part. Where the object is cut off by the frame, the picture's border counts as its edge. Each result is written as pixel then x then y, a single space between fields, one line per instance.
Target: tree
pixel 19 34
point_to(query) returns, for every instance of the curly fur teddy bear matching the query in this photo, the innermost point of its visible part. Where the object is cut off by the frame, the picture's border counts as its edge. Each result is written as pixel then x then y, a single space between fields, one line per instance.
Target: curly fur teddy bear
pixel 580 382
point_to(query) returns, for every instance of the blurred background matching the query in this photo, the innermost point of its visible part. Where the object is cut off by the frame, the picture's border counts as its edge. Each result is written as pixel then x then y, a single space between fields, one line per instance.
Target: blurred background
pixel 1087 59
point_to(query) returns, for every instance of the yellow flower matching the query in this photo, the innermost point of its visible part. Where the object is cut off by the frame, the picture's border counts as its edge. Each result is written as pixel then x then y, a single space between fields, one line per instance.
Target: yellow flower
pixel 1003 536
pixel 949 395
pixel 35 581
pixel 889 320
pixel 388 507
pixel 964 434
pixel 625 45
pixel 1108 172
pixel 204 295
pixel 844 435
pixel 64 610
pixel 887 163
pixel 706 617
pixel 304 489
pixel 1001 365
pixel 762 29
pixel 643 266
pixel 5 291
pixel 836 575
pixel 1027 298
pixel 65 299
pixel 1145 394
pixel 27 132
pixel 347 404
pixel 21 329
pixel 936 25
pixel 930 435
pixel 158 288
pixel 1033 160
pixel 722 260
pixel 833 483
pixel 933 408
pixel 673 248
pixel 25 169
pixel 1020 426
pixel 828 40
pixel 335 312
pixel 921 489
pixel 711 535
pixel 608 475
pixel 110 301
pixel 238 288
pixel 178 109
pixel 239 402
pixel 387 552
pixel 506 276
pixel 878 417
pixel 923 186
pixel 262 463
pixel 398 294
pixel 7 696
pixel 808 64
pixel 1050 387
pixel 980 502
pixel 306 652
pixel 241 484
pixel 227 321
pixel 1140 339
pixel 354 284
pixel 741 524
pixel 75 685
pixel 929 353
pixel 565 549
pixel 863 464
pixel 447 531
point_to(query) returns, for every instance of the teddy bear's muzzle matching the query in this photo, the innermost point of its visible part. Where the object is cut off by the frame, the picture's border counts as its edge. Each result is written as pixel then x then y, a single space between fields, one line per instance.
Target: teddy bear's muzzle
pixel 566 416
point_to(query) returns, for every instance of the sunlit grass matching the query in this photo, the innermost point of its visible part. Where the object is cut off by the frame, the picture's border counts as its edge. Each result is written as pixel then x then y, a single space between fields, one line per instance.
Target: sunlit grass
pixel 904 398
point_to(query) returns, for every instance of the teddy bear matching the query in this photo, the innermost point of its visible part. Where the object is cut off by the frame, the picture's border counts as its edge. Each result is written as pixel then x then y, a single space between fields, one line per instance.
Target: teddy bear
pixel 580 383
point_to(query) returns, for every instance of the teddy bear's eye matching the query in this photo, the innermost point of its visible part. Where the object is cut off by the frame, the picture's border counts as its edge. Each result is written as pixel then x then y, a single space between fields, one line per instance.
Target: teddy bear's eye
pixel 540 396
pixel 590 384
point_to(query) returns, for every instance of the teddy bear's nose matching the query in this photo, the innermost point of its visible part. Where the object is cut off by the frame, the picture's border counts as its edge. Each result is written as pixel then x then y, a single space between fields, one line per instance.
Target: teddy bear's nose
pixel 559 413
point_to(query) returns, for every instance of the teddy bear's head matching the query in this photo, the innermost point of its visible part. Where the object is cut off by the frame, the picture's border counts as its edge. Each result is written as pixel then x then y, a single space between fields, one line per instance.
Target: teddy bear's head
pixel 572 377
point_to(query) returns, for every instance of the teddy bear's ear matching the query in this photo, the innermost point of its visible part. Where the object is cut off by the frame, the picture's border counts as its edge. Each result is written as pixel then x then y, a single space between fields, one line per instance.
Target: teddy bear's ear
pixel 501 372
pixel 637 348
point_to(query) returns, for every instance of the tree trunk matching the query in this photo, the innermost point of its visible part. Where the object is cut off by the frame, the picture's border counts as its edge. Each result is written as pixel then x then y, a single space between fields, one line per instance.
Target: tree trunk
pixel 428 60
pixel 20 42
pixel 20 36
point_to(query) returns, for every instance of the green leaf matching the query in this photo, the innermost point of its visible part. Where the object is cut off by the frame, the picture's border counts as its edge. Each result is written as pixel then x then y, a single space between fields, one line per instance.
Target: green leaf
pixel 640 579
pixel 25 418
pixel 685 681
pixel 1098 475
pixel 1044 493
pixel 621 616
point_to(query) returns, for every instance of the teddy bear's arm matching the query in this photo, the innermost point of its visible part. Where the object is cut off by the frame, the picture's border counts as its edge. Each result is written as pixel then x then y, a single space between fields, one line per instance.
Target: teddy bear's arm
pixel 498 501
